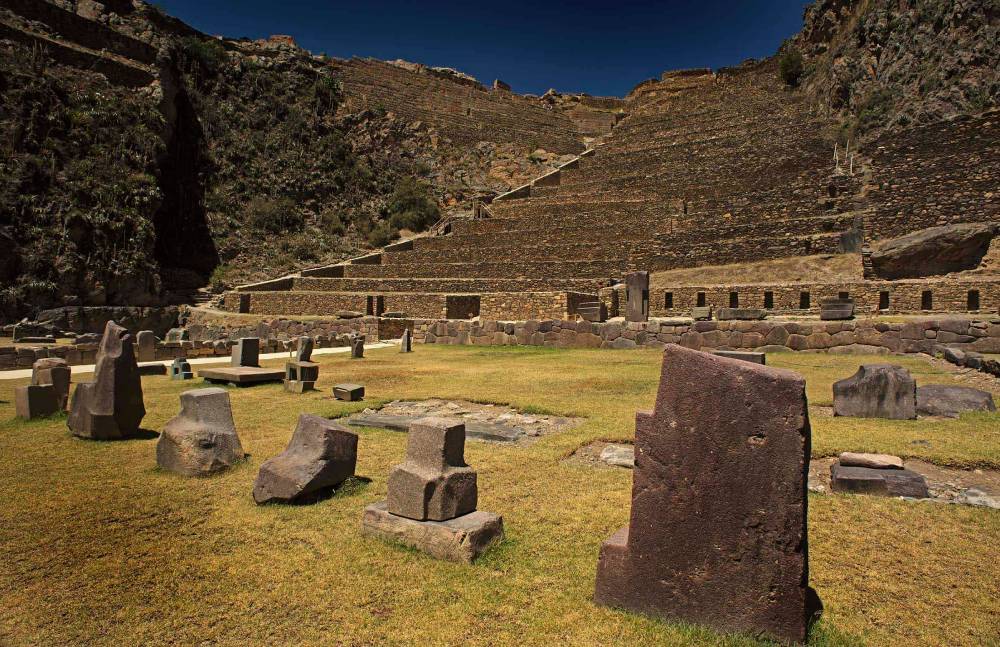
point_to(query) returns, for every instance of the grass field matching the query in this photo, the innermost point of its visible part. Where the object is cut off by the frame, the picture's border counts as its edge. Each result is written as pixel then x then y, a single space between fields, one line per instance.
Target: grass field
pixel 99 547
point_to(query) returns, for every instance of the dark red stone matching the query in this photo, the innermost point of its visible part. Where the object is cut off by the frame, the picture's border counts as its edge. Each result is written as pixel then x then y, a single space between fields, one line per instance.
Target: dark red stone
pixel 717 534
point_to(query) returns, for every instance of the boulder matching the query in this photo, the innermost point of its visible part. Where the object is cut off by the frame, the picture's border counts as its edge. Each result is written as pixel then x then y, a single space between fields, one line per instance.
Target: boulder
pixel 56 372
pixel 950 401
pixel 111 406
pixel 873 461
pixel 321 455
pixel 880 482
pixel 201 439
pixel 717 533
pixel 933 251
pixel 876 391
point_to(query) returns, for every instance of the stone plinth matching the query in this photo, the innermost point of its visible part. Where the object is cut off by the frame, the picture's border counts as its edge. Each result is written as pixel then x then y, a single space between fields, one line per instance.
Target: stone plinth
pixel 242 375
pixel 462 539
pixel 201 440
pixel 717 532
pixel 111 406
pixel 876 391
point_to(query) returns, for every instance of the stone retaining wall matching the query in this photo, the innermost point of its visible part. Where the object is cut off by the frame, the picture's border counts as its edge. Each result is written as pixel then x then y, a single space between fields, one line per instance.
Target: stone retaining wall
pixel 917 336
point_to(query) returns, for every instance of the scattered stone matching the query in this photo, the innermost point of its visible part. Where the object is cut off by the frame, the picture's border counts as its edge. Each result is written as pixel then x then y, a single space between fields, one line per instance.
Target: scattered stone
pixel 876 391
pixel 349 392
pixel 145 344
pixel 301 374
pixel 950 401
pixel 246 352
pixel 35 401
pixel 746 356
pixel 434 483
pixel 619 455
pixel 406 342
pixel 201 440
pixel 321 455
pixel 738 528
pixel 836 309
pixel 358 347
pixel 880 482
pixel 873 461
pixel 431 501
pixel 974 496
pixel 54 371
pixel 701 313
pixel 741 314
pixel 934 251
pixel 181 369
pixel 111 406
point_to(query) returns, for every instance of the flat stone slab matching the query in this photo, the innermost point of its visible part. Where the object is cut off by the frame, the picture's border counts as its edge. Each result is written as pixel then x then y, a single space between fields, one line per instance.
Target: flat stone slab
pixel 950 401
pixel 873 461
pixel 155 368
pixel 462 539
pixel 349 392
pixel 478 430
pixel 880 482
pixel 242 374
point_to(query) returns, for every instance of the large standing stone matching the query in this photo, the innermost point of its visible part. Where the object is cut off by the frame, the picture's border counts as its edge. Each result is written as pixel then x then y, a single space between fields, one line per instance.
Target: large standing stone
pixel 321 455
pixel 357 347
pixel 637 302
pixel 876 391
pixel 932 251
pixel 304 349
pixel 246 352
pixel 406 341
pixel 434 482
pixel 145 343
pixel 201 439
pixel 950 401
pixel 54 371
pixel 717 534
pixel 111 406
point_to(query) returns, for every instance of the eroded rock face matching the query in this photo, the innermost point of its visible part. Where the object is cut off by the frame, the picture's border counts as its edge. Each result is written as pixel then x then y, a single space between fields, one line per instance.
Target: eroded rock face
pixel 321 455
pixel 717 534
pixel 934 251
pixel 201 439
pixel 951 401
pixel 434 483
pixel 876 391
pixel 111 406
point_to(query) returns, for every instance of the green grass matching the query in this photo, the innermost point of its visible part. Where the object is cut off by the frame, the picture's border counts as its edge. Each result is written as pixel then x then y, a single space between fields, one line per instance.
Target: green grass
pixel 101 547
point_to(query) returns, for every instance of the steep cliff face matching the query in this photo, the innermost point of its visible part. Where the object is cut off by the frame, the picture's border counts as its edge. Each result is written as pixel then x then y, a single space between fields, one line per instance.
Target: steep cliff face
pixel 882 65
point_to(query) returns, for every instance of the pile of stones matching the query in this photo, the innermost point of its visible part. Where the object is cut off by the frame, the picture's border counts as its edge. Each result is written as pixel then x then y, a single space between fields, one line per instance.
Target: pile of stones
pixel 889 391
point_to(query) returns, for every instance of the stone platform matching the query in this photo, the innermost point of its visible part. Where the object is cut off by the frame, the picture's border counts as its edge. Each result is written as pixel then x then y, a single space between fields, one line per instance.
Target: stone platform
pixel 462 539
pixel 242 375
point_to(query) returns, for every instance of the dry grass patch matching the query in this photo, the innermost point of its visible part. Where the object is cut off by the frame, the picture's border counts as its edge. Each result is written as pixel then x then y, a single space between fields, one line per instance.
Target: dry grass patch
pixel 101 547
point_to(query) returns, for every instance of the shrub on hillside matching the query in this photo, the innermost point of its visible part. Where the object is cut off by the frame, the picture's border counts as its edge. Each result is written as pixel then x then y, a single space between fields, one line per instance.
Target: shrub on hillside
pixel 412 206
pixel 274 215
pixel 790 67
pixel 382 234
pixel 208 54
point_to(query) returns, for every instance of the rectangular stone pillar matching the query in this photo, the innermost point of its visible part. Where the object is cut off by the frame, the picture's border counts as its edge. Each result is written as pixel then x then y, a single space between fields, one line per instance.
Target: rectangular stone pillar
pixel 637 302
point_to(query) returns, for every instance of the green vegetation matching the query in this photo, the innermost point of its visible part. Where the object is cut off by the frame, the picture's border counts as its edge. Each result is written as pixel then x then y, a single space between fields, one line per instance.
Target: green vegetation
pixel 790 67
pixel 99 543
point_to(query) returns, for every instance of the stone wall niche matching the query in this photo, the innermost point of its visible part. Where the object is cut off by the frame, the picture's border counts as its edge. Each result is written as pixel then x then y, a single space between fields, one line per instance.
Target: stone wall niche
pixel 717 534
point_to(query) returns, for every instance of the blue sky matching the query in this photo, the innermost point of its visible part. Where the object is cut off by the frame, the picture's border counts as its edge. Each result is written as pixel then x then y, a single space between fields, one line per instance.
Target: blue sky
pixel 604 48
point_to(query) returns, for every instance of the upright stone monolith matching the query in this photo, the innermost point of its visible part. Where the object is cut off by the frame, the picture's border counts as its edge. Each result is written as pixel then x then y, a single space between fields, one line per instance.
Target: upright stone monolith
pixel 876 391
pixel 111 406
pixel 145 344
pixel 637 302
pixel 717 534
pixel 246 352
pixel 201 439
pixel 357 347
pixel 406 341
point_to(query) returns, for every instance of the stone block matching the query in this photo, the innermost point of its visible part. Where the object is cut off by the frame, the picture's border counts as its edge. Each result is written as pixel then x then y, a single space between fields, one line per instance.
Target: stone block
pixel 321 455
pixel 872 461
pixel 724 547
pixel 755 358
pixel 434 483
pixel 246 352
pixel 745 314
pixel 950 401
pixel 180 369
pixel 110 407
pixel 701 313
pixel 462 539
pixel 876 391
pixel 56 372
pixel 35 401
pixel 406 342
pixel 637 301
pixel 145 345
pixel 836 309
pixel 880 482
pixel 349 392
pixel 358 347
pixel 201 439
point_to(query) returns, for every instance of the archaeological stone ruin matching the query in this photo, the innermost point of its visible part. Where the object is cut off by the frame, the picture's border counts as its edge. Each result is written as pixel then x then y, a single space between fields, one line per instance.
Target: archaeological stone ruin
pixel 717 531
pixel 200 440
pixel 111 406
